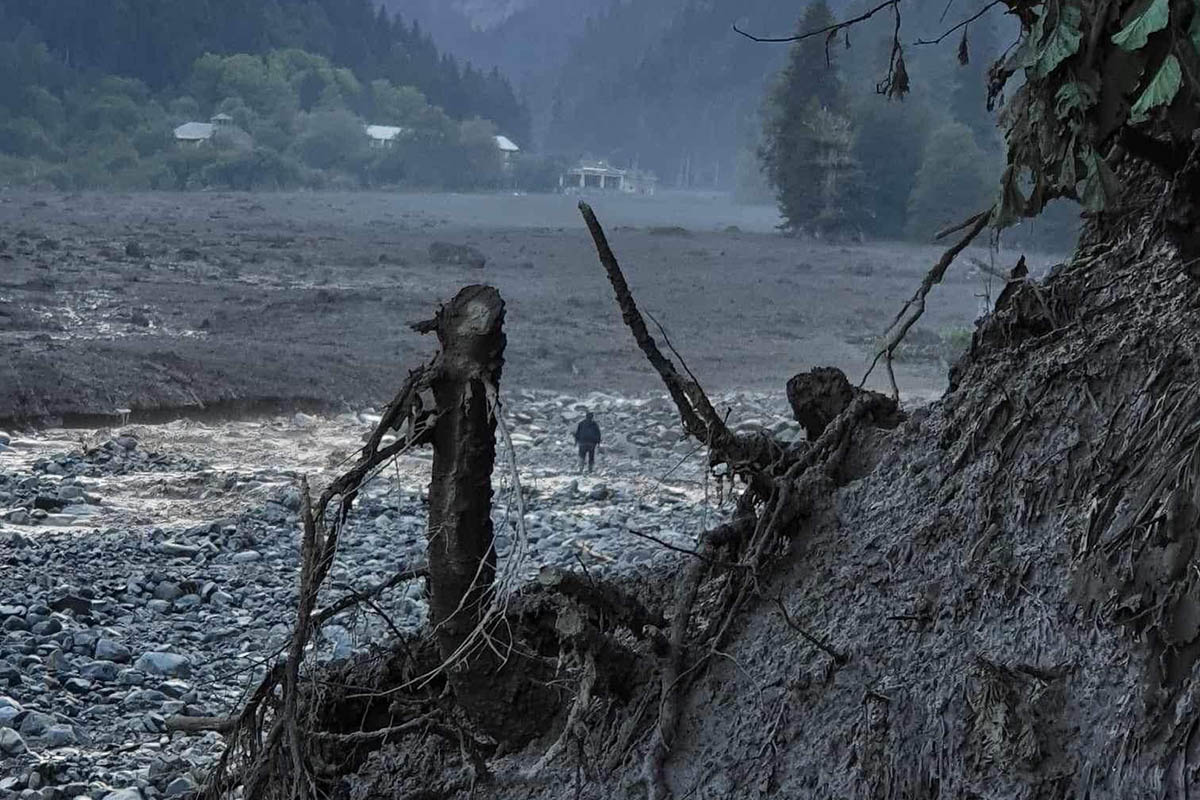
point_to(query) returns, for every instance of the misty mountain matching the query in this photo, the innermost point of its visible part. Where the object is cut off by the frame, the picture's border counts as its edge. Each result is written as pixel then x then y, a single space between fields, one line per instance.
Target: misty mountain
pixel 664 84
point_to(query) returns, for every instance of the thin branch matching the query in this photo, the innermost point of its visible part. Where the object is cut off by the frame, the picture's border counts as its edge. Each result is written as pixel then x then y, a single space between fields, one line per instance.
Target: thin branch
pixel 915 306
pixel 354 598
pixel 962 24
pixel 840 658
pixel 834 28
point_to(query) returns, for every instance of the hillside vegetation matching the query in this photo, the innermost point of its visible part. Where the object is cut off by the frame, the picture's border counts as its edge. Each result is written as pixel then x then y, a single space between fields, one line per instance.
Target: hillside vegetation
pixel 93 95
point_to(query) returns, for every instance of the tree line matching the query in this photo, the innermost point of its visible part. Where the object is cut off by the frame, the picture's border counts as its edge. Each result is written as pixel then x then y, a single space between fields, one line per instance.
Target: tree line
pixel 91 97
pixel 845 162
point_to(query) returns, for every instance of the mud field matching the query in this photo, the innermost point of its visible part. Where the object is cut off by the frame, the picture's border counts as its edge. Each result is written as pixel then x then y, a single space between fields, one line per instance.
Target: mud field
pixel 167 302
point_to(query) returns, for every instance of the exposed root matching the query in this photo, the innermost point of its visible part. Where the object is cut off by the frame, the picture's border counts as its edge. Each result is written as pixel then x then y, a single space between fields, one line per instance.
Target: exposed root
pixel 784 485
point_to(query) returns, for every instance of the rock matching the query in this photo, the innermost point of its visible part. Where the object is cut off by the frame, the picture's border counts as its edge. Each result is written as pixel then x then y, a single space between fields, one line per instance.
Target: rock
pixel 109 650
pixel 166 590
pixel 127 443
pixel 47 628
pixel 222 599
pixel 181 785
pixel 130 793
pixel 103 671
pixel 17 516
pixel 59 736
pixel 599 492
pixel 161 663
pixel 290 499
pixel 11 742
pixel 177 549
pixel 457 254
pixel 36 723
pixel 187 601
pixel 12 611
pixel 246 557
pixel 15 624
pixel 77 685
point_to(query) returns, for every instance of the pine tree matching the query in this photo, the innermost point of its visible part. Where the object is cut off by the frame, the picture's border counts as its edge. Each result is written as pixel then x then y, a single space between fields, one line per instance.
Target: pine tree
pixel 807 140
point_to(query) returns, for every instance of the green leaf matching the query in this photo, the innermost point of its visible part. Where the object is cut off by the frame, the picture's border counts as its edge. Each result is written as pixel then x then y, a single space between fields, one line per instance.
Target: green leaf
pixel 1133 36
pixel 1101 189
pixel 1073 96
pixel 1061 43
pixel 1161 90
pixel 1012 203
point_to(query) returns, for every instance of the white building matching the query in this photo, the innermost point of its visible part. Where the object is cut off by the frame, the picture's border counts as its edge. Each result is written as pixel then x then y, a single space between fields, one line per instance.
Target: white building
pixel 508 150
pixel 382 137
pixel 598 176
pixel 196 134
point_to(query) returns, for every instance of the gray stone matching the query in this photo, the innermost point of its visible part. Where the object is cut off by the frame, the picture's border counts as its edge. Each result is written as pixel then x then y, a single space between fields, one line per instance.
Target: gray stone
pixel 109 650
pixel 127 442
pixel 246 557
pixel 11 611
pixel 47 628
pixel 178 549
pixel 166 590
pixel 11 742
pixel 36 723
pixel 130 793
pixel 15 624
pixel 103 671
pixel 131 677
pixel 181 785
pixel 222 599
pixel 187 601
pixel 160 663
pixel 59 736
pixel 17 516
pixel 70 602
pixel 159 606
pixel 77 685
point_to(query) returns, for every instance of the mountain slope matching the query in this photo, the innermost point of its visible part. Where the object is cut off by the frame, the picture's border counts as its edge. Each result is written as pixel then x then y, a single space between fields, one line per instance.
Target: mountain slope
pixel 158 41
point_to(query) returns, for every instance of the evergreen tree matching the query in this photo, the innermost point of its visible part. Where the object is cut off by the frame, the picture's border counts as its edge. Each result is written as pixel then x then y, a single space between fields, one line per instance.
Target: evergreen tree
pixel 955 179
pixel 806 150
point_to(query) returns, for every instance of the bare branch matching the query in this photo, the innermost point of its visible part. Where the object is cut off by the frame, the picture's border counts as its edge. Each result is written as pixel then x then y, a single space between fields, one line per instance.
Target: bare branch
pixel 915 306
pixel 962 24
pixel 834 28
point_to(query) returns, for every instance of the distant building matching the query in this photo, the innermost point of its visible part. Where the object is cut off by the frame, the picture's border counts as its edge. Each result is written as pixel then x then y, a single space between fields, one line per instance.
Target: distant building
pixel 508 150
pixel 198 134
pixel 382 137
pixel 598 176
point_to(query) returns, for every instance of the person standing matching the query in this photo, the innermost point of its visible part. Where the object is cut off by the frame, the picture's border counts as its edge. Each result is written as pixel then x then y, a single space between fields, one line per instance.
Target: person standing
pixel 587 436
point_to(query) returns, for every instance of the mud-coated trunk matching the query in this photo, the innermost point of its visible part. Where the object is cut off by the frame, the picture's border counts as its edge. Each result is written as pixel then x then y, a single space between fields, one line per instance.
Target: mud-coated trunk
pixel 462 561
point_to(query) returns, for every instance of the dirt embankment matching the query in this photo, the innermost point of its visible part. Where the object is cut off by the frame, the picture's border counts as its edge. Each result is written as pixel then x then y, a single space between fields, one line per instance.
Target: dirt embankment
pixel 163 302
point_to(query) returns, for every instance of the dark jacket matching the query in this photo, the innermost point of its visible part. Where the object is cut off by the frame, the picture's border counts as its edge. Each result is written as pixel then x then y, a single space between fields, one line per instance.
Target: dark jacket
pixel 588 432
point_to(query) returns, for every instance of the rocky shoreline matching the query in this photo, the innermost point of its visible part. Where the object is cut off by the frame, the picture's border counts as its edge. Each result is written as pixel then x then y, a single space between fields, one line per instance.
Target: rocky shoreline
pixel 151 571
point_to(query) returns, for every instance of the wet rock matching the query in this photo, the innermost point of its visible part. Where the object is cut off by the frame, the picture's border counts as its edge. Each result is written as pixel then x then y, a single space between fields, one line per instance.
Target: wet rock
pixel 130 793
pixel 80 606
pixel 167 590
pixel 36 724
pixel 161 663
pixel 177 549
pixel 109 650
pixel 11 742
pixel 59 736
pixel 180 786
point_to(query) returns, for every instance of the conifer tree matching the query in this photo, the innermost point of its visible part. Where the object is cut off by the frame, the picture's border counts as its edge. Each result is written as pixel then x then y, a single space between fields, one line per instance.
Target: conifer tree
pixel 807 140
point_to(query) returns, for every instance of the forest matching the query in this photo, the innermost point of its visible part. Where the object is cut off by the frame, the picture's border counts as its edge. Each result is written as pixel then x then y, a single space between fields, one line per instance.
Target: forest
pixel 93 97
